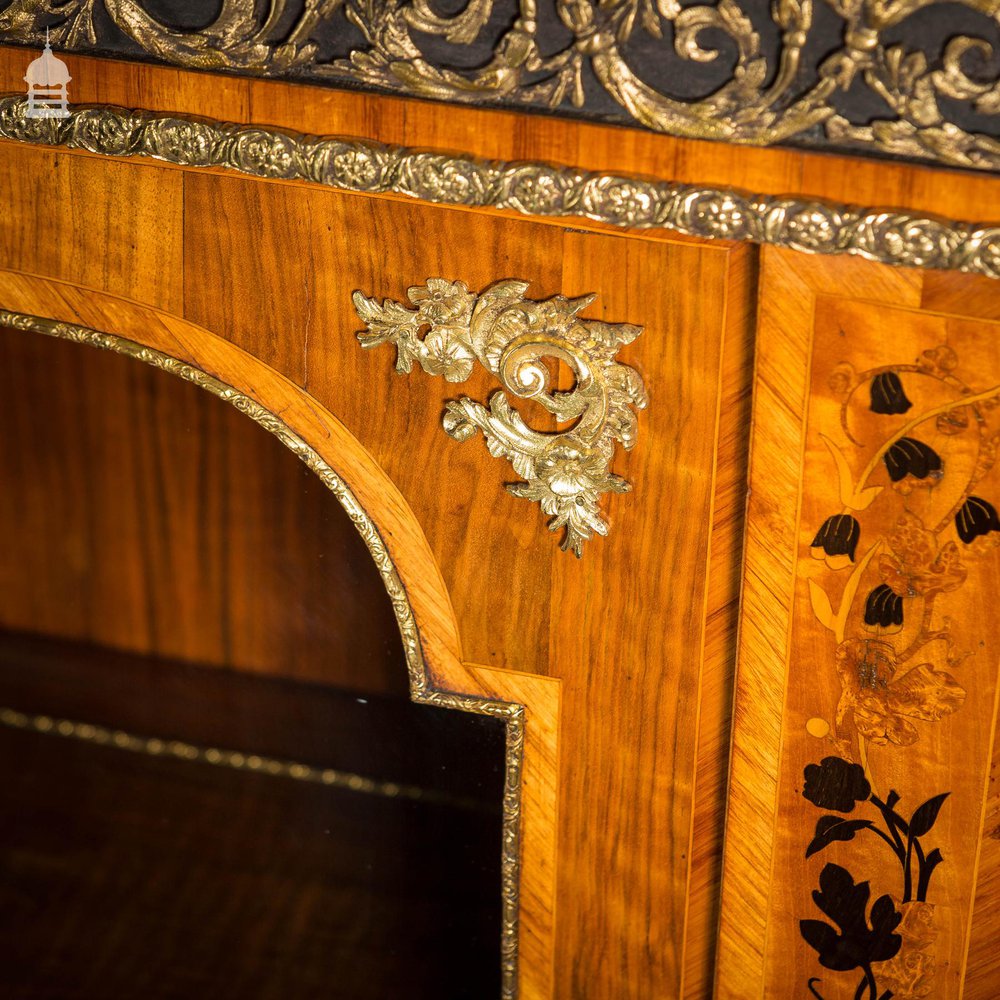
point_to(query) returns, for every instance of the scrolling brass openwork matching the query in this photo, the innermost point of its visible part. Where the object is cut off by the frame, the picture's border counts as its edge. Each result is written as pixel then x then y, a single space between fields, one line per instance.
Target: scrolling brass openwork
pixel 912 78
pixel 451 328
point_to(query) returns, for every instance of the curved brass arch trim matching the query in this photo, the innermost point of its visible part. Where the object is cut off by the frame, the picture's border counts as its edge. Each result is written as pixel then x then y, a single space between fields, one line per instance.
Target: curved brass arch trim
pixel 420 691
pixel 533 189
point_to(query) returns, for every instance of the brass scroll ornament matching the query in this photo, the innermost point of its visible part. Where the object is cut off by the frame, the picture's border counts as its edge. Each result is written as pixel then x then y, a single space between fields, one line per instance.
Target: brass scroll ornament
pixel 754 72
pixel 567 471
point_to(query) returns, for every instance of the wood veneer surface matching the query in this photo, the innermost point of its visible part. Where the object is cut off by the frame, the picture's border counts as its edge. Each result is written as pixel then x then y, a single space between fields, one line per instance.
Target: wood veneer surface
pixel 141 512
pixel 638 637
pixel 619 633
pixel 902 707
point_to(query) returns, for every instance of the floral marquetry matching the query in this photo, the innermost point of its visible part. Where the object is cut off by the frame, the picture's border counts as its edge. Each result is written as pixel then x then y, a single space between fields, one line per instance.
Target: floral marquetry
pixel 909 457
pixel 896 650
pixel 872 641
pixel 887 394
pixel 976 517
pixel 868 940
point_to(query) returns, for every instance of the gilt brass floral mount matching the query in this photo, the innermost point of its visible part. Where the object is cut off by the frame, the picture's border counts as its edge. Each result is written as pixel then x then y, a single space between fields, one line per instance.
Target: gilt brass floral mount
pixel 449 328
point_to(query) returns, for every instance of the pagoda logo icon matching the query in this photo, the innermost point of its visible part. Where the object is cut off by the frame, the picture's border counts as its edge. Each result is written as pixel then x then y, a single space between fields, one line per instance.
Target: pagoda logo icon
pixel 47 79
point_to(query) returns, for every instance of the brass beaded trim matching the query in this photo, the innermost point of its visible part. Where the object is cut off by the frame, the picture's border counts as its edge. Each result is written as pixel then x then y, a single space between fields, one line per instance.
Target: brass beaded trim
pixel 533 189
pixel 420 691
pixel 235 760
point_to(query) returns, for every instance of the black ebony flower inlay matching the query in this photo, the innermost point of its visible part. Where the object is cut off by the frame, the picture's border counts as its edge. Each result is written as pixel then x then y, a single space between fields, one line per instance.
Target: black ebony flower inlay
pixel 976 517
pixel 862 939
pixel 836 784
pixel 910 457
pixel 887 395
pixel 838 536
pixel 884 607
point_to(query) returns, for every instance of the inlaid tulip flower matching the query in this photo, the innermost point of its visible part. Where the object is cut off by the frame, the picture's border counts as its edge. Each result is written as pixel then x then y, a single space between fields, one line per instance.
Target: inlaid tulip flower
pixel 837 540
pixel 976 517
pixel 887 395
pixel 884 607
pixel 910 457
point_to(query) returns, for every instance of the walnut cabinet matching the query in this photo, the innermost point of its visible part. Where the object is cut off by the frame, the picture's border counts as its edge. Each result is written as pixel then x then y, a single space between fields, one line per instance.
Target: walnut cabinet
pixel 743 746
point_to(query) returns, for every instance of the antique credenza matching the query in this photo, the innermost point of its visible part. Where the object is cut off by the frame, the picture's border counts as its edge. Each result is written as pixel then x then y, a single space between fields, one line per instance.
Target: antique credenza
pixel 738 352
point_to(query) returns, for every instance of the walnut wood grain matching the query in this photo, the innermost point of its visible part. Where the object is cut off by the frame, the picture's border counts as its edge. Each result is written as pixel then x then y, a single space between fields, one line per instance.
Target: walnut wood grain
pixel 147 515
pixel 715 705
pixel 623 661
pixel 621 639
pixel 441 669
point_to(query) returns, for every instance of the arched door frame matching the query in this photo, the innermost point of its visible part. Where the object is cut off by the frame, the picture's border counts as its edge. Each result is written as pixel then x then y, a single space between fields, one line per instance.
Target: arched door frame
pixel 437 673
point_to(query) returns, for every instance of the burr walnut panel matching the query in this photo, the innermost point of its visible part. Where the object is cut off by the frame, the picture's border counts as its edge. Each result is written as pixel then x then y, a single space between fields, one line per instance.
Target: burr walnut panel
pixel 146 516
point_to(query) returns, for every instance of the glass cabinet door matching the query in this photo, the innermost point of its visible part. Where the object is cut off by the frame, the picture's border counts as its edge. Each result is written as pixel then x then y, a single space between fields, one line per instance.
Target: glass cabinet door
pixel 214 781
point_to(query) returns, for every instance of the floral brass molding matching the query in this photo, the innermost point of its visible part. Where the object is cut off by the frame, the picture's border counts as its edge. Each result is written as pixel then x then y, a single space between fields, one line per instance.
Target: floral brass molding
pixel 856 74
pixel 533 189
pixel 566 472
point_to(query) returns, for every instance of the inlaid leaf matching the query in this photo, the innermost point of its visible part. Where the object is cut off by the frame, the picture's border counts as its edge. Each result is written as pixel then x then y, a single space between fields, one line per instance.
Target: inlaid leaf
pixel 855 499
pixel 846 903
pixel 926 815
pixel 833 828
pixel 820 601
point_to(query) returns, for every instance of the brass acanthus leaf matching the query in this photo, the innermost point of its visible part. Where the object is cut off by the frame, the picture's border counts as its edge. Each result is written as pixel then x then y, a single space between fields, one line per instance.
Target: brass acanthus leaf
pixel 449 328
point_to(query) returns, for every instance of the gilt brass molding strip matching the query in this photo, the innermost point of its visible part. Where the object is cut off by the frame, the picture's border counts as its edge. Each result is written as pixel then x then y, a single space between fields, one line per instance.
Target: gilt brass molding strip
pixel 533 189
pixel 420 690
pixel 234 760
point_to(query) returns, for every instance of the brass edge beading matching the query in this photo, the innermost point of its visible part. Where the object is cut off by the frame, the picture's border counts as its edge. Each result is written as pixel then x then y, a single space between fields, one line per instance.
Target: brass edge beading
pixel 584 52
pixel 234 760
pixel 534 189
pixel 566 472
pixel 420 691
pixel 510 864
